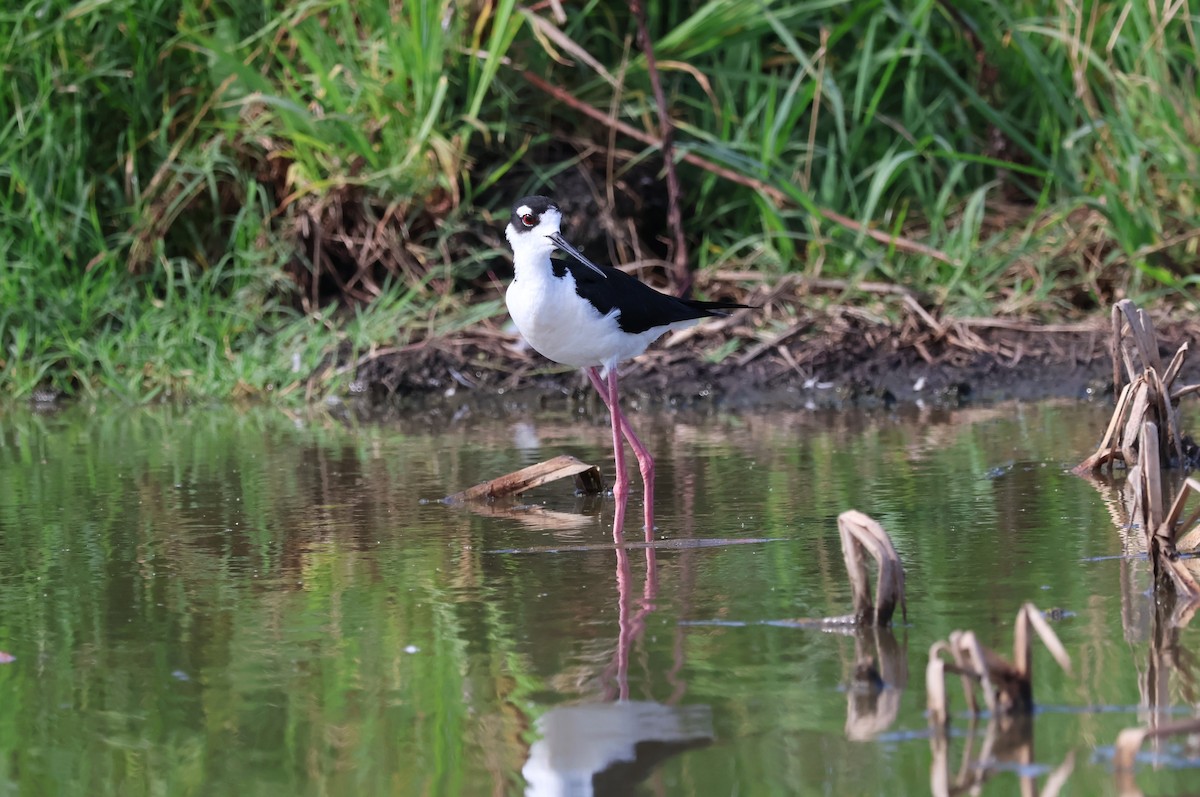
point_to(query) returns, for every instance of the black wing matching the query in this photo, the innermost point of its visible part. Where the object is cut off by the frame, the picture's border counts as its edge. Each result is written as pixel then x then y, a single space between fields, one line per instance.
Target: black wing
pixel 641 306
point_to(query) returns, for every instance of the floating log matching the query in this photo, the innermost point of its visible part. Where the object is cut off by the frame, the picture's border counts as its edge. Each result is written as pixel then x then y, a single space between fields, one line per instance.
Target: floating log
pixel 587 480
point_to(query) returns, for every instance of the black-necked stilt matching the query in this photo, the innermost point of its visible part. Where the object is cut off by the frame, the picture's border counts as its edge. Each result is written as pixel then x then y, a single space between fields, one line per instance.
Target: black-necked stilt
pixel 591 317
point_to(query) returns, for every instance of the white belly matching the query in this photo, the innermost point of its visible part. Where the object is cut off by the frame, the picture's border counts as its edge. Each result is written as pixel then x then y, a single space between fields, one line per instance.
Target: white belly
pixel 562 326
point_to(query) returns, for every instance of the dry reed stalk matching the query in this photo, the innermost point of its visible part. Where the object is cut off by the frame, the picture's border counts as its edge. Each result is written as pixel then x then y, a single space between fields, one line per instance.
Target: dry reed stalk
pixel 1149 394
pixel 1163 540
pixel 1144 434
pixel 1007 687
pixel 861 535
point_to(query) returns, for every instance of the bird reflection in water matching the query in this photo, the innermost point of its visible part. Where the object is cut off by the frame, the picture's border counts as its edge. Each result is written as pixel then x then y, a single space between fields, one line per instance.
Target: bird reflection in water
pixel 607 748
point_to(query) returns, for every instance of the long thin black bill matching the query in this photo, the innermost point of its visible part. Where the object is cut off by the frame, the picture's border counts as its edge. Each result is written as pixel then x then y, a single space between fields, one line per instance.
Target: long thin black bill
pixel 562 244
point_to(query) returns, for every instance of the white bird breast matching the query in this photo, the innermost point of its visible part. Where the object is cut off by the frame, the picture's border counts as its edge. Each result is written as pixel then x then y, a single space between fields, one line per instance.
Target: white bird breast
pixel 566 328
pixel 559 323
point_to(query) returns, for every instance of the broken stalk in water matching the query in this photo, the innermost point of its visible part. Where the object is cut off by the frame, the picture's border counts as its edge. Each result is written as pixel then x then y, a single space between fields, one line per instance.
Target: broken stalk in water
pixel 1007 687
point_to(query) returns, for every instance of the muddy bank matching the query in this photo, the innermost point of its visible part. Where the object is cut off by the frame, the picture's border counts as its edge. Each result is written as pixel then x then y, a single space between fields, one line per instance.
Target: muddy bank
pixel 842 358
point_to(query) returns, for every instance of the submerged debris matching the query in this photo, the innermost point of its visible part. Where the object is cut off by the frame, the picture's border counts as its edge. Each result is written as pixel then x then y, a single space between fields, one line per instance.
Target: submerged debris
pixel 1007 687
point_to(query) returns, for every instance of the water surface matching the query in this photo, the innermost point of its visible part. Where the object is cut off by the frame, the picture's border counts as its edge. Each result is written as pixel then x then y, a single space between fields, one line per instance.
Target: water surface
pixel 243 601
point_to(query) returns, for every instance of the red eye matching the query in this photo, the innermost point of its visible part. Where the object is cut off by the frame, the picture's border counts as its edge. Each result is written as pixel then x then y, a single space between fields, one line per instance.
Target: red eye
pixel 529 220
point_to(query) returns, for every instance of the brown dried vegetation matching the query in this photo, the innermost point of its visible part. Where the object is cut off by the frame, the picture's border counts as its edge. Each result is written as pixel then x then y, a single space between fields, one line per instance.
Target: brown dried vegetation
pixel 1007 686
pixel 1145 436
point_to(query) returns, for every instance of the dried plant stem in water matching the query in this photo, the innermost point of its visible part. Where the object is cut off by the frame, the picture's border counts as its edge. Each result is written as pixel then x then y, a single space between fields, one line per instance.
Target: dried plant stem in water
pixel 1145 435
pixel 861 535
pixel 587 479
pixel 1007 687
pixel 1148 395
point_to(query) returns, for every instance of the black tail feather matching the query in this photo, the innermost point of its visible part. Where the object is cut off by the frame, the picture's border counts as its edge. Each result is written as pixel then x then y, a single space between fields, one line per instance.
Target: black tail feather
pixel 717 308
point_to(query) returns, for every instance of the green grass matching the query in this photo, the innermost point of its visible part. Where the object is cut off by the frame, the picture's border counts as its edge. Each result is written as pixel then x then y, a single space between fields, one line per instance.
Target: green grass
pixel 884 114
pixel 205 199
pixel 160 164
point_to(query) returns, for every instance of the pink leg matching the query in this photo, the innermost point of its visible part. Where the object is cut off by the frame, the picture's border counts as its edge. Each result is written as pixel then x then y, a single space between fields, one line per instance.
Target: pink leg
pixel 621 487
pixel 645 462
pixel 619 525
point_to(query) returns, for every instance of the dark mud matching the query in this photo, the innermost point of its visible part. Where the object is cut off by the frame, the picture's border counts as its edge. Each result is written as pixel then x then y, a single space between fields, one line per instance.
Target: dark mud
pixel 845 362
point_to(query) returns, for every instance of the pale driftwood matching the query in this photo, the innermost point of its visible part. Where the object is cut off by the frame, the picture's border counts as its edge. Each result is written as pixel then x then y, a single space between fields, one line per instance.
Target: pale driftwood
pixel 1007 687
pixel 587 479
pixel 1136 504
pixel 1147 479
pixel 1172 372
pixel 937 702
pixel 1107 452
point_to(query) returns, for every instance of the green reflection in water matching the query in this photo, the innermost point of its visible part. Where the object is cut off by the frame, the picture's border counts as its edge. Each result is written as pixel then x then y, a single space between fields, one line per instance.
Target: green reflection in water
pixel 236 601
